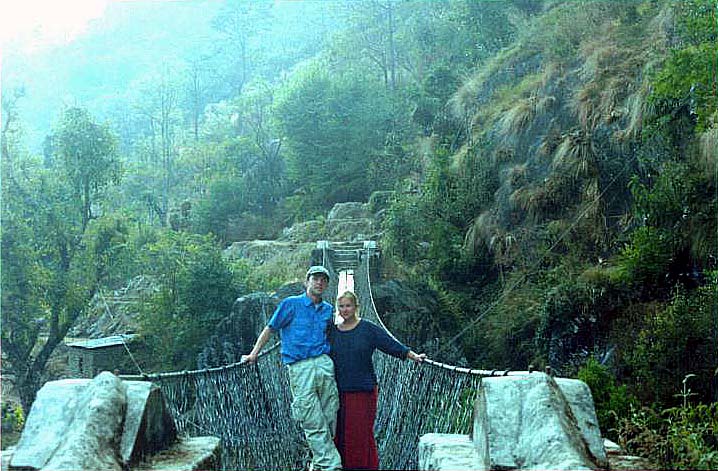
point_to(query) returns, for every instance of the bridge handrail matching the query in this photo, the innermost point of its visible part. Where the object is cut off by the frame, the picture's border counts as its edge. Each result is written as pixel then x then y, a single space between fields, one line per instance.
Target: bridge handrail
pixel 248 408
pixel 174 374
pixel 428 361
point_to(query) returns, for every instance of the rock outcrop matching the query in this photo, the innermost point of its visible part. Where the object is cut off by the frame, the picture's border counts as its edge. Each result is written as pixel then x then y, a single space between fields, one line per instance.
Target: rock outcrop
pixel 409 311
pixel 74 424
pixel 106 424
pixel 531 421
pixel 236 333
pixel 115 311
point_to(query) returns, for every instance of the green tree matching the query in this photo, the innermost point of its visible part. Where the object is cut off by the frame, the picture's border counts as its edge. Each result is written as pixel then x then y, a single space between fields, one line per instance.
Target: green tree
pixel 613 402
pixel 54 257
pixel 688 77
pixel 677 340
pixel 331 125
pixel 240 21
pixel 196 292
pixel 89 155
pixel 53 263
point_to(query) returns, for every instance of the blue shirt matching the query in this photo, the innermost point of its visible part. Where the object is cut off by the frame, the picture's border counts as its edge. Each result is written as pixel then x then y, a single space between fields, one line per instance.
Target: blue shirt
pixel 303 327
pixel 352 351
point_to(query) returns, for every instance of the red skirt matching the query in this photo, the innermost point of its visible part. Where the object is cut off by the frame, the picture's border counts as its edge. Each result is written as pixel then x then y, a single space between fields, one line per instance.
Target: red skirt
pixel 355 430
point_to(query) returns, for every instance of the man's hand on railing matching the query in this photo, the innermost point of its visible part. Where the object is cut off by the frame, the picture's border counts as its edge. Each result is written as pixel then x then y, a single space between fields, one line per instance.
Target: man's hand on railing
pixel 251 359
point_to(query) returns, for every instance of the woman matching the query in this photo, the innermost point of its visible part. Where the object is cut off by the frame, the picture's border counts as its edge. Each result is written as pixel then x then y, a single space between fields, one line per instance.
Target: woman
pixel 353 341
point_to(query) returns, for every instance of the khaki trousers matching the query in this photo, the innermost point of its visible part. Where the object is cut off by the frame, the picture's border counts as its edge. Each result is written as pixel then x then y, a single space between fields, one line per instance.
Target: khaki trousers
pixel 315 402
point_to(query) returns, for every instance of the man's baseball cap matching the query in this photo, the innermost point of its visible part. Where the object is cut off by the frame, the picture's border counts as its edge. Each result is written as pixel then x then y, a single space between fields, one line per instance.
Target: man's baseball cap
pixel 314 269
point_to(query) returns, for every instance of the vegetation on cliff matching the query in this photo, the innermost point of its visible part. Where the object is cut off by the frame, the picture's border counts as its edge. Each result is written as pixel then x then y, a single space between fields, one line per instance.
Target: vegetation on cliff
pixel 553 169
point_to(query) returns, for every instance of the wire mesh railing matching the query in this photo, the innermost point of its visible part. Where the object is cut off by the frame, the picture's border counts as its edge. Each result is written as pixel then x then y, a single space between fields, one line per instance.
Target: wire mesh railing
pixel 248 406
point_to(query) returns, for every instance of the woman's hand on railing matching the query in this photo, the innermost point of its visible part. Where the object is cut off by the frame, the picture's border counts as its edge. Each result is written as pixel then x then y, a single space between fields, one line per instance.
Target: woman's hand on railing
pixel 417 357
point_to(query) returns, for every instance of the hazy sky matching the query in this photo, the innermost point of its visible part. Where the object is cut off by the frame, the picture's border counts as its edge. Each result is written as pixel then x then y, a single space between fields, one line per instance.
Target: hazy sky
pixel 32 25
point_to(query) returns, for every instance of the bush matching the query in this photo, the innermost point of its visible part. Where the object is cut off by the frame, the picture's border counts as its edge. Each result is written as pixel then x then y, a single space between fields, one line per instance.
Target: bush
pixel 197 290
pixel 13 418
pixel 682 437
pixel 613 403
pixel 674 341
pixel 645 261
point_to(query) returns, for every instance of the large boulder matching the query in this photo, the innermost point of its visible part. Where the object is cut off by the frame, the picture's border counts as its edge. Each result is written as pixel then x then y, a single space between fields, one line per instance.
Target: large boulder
pixel 74 424
pixel 528 422
pixel 148 426
pixel 350 222
pixel 235 335
pixel 289 289
pixel 351 210
pixel 187 454
pixel 308 231
pixel 116 311
pixel 263 251
pixel 350 230
pixel 106 424
pixel 447 451
pixel 409 311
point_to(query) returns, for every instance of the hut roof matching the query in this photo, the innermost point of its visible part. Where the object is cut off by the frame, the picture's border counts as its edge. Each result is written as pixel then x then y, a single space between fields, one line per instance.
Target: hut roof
pixel 103 342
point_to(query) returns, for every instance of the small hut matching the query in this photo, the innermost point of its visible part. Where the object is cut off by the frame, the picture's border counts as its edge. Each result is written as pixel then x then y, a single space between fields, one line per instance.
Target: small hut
pixel 89 357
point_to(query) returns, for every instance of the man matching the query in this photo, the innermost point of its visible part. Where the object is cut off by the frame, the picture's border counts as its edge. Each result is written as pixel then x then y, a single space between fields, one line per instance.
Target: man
pixel 302 322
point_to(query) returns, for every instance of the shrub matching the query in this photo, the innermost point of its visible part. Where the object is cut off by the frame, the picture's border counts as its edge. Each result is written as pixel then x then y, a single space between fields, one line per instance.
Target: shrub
pixel 646 259
pixel 674 341
pixel 613 402
pixel 196 292
pixel 676 438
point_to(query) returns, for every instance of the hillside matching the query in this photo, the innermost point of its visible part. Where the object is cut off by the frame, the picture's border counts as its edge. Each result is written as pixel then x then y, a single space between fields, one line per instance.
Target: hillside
pixel 545 171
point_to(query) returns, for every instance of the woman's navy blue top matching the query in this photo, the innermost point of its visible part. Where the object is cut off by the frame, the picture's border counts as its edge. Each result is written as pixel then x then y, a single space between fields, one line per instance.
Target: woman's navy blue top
pixel 352 351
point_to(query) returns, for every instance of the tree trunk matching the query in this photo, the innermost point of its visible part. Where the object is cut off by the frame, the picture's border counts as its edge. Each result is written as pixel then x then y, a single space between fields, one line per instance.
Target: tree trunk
pixel 392 47
pixel 86 204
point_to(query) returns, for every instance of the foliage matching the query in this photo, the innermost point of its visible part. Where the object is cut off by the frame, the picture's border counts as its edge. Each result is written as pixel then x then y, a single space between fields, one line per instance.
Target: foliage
pixel 514 209
pixel 688 77
pixel 506 333
pixel 402 226
pixel 333 125
pixel 568 320
pixel 436 217
pixel 688 80
pixel 89 156
pixel 275 270
pixel 696 21
pixel 646 260
pixel 55 252
pixel 197 291
pixel 13 418
pixel 678 339
pixel 681 437
pixel 243 185
pixel 613 402
pixel 677 206
pixel 561 30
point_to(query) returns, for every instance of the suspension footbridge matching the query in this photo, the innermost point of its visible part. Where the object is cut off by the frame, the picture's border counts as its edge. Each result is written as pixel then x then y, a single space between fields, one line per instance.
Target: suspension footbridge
pixel 247 406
